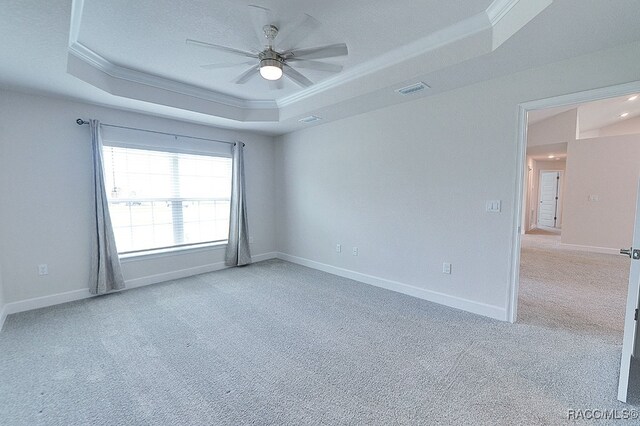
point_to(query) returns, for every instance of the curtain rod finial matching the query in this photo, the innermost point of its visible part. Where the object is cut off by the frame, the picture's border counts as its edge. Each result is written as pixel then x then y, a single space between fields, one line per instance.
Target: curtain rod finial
pixel 80 122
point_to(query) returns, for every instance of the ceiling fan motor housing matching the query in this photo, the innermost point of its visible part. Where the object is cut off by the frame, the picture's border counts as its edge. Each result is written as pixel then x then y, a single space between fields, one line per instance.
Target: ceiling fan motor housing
pixel 270 57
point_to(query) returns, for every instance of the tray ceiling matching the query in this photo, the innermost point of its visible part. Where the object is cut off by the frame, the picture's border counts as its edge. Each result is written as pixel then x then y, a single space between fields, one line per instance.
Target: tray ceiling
pixel 132 55
pixel 149 35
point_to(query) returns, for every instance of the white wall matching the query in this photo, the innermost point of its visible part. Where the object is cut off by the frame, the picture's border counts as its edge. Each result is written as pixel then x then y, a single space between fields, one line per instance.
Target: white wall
pixel 45 195
pixel 609 168
pixel 534 196
pixel 557 129
pixel 408 185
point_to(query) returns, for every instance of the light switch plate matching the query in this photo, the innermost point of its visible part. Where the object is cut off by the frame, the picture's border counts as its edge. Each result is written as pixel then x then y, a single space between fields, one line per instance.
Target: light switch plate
pixel 43 269
pixel 494 206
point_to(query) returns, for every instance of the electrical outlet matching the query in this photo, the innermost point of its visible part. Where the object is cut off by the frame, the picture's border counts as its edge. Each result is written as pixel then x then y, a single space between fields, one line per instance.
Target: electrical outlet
pixel 338 248
pixel 355 251
pixel 43 269
pixel 446 268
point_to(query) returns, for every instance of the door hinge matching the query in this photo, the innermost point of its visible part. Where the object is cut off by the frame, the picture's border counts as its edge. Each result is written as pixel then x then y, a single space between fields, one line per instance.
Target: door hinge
pixel 635 316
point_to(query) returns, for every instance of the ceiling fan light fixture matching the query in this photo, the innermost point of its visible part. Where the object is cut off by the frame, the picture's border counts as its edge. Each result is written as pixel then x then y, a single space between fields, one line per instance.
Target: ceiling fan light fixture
pixel 271 69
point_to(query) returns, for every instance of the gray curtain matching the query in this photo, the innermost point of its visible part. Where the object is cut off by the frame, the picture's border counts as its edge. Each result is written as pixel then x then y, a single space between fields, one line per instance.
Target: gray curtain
pixel 238 253
pixel 106 274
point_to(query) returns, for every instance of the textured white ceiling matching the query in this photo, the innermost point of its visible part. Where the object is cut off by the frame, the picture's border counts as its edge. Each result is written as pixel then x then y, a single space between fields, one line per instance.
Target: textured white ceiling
pixel 34 35
pixel 149 35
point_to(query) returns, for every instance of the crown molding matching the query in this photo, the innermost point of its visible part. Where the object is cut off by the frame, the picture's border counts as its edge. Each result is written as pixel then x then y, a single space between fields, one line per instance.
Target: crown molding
pixel 458 31
pixel 93 59
pixel 148 87
pixel 499 9
pixel 100 63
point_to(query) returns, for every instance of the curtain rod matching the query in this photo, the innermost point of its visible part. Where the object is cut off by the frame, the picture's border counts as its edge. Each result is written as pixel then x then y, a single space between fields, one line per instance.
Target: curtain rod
pixel 80 122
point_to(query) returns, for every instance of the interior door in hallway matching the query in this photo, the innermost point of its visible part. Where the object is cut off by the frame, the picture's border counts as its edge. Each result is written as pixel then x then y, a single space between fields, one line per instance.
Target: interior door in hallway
pixel 548 200
pixel 630 321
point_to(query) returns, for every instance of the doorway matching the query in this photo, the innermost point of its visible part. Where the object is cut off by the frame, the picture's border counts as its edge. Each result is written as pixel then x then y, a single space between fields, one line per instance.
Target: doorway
pixel 567 308
pixel 523 219
pixel 550 204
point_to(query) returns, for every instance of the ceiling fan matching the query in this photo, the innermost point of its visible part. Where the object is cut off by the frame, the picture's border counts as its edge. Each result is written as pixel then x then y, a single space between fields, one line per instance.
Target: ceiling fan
pixel 271 62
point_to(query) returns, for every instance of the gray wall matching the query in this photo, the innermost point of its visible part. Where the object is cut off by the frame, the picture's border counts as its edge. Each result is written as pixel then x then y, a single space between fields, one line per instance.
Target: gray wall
pixel 2 303
pixel 45 194
pixel 408 184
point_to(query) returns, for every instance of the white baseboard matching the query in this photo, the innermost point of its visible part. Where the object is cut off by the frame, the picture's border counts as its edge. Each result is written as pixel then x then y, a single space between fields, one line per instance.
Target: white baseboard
pixel 44 301
pixel 3 315
pixel 264 256
pixel 173 275
pixel 70 296
pixel 432 296
pixel 592 249
pixel 490 311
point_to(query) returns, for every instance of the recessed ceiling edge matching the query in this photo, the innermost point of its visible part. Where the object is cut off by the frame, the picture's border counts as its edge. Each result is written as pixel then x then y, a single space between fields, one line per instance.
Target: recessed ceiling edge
pixel 94 69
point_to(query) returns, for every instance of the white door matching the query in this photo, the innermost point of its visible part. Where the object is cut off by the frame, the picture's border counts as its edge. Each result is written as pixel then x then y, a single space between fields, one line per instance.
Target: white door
pixel 630 324
pixel 548 206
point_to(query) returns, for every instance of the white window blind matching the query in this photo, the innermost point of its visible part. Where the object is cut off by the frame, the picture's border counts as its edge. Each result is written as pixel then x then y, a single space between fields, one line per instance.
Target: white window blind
pixel 163 199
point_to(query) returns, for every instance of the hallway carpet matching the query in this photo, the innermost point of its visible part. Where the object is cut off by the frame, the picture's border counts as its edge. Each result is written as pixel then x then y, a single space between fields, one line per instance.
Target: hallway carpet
pixel 279 344
pixel 579 291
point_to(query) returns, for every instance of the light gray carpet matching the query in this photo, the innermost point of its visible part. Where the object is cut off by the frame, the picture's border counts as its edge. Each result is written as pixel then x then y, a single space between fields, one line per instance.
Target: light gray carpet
pixel 569 289
pixel 276 343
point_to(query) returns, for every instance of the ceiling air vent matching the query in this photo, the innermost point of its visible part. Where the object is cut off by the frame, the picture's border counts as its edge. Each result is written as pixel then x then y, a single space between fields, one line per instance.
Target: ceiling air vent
pixel 310 119
pixel 414 88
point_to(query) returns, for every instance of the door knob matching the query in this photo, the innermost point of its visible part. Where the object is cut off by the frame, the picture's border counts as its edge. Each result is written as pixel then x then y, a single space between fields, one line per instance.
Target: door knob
pixel 626 252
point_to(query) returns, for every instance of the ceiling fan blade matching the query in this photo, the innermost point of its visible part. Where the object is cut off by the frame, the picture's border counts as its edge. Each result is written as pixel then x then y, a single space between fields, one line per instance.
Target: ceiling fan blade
pixel 297 77
pixel 222 48
pixel 321 52
pixel 315 65
pixel 225 65
pixel 247 75
pixel 260 16
pixel 294 34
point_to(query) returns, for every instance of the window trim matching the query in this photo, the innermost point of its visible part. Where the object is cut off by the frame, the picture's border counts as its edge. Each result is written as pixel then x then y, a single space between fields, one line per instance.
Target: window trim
pixel 171 251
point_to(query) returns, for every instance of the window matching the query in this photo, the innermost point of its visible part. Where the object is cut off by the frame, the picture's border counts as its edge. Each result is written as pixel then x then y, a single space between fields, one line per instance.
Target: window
pixel 163 199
